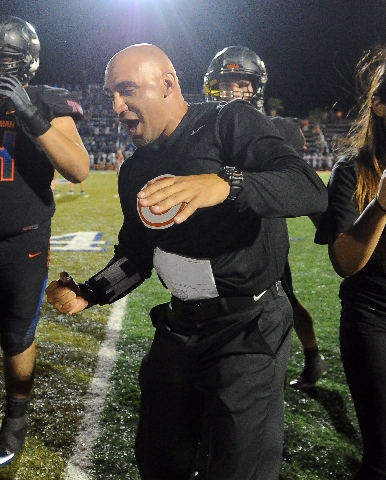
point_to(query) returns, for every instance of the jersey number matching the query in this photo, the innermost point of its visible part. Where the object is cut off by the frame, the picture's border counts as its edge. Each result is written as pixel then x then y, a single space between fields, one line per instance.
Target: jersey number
pixel 6 157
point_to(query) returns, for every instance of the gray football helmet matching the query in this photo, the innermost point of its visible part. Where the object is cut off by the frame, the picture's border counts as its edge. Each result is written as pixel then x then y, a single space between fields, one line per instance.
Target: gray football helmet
pixel 231 61
pixel 19 48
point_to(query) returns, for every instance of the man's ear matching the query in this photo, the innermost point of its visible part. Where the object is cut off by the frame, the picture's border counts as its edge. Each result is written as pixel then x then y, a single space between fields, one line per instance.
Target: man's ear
pixel 169 83
pixel 378 107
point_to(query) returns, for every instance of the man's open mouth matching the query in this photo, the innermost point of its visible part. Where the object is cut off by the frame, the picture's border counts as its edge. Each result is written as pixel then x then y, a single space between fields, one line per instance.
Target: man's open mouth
pixel 131 125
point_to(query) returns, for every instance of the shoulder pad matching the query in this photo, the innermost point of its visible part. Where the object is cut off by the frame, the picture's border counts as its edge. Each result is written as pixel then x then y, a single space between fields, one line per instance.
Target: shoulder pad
pixel 55 102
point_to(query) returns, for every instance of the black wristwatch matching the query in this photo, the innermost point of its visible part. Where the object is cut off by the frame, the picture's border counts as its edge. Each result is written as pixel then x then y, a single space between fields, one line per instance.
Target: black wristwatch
pixel 234 178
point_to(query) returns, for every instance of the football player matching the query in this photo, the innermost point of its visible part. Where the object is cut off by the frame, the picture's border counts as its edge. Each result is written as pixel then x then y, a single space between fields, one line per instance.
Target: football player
pixel 37 134
pixel 238 72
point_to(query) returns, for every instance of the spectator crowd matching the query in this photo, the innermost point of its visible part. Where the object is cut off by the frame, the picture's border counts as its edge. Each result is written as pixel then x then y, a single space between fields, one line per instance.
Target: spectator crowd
pixel 108 145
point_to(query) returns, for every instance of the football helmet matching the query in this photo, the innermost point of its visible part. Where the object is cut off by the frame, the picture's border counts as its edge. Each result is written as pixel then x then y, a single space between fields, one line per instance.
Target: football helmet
pixel 19 48
pixel 232 61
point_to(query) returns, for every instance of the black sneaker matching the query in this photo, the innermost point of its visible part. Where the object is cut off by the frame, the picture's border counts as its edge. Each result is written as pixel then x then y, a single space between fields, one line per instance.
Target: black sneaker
pixel 311 373
pixel 12 438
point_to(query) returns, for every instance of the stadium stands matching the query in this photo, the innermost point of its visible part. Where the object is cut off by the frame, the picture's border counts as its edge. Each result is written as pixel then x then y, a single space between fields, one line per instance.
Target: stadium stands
pixel 103 137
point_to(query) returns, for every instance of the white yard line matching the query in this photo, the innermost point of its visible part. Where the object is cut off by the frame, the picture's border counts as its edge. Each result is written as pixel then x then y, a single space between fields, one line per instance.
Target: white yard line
pixel 89 429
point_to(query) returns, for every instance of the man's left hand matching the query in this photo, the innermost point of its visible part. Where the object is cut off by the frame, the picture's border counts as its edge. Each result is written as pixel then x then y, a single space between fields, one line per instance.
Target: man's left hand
pixel 196 191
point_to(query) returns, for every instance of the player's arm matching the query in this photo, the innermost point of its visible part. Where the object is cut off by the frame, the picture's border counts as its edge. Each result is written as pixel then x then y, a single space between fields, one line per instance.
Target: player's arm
pixel 64 148
pixel 59 139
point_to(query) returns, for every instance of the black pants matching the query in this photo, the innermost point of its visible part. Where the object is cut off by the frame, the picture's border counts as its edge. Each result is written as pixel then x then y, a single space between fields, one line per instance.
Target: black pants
pixel 363 349
pixel 212 401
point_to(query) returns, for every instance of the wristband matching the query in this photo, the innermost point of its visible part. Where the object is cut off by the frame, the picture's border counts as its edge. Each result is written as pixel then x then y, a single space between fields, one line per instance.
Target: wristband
pixel 235 179
pixel 34 122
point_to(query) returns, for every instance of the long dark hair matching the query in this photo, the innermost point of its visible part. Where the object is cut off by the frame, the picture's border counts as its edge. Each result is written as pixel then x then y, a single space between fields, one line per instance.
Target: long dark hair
pixel 367 136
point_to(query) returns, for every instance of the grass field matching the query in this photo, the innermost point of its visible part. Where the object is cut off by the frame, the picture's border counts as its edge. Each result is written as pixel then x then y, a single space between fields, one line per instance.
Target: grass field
pixel 322 439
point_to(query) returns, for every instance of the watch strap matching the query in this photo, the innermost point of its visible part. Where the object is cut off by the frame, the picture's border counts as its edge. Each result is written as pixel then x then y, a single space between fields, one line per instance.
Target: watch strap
pixel 235 179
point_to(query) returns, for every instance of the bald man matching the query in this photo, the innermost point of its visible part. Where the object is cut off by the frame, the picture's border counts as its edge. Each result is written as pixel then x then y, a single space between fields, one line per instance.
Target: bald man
pixel 204 198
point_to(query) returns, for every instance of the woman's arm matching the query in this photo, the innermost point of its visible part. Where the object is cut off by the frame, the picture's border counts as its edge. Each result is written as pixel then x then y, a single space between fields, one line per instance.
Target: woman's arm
pixel 350 251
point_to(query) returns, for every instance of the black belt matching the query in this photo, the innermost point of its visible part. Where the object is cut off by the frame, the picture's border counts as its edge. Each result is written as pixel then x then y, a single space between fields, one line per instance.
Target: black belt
pixel 220 306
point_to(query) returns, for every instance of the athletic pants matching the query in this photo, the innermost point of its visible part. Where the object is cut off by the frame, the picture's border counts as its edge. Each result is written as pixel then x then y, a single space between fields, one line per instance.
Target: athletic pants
pixel 23 275
pixel 212 396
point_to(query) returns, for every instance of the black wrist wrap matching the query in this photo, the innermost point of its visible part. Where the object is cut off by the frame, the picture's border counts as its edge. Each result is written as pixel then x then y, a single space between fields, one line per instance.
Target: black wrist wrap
pixel 115 281
pixel 34 122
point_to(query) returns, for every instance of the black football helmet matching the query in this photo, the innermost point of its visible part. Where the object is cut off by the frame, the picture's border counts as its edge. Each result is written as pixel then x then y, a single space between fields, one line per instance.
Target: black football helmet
pixel 19 48
pixel 236 60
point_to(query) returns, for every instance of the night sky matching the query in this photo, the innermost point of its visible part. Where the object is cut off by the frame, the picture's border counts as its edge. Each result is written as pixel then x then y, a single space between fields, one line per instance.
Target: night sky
pixel 310 48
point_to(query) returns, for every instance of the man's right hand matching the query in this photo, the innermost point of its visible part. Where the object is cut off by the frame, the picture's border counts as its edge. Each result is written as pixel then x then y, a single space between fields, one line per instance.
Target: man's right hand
pixel 64 295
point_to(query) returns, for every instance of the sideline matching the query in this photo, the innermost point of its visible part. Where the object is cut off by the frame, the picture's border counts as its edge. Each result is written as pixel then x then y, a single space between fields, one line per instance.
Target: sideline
pixel 89 429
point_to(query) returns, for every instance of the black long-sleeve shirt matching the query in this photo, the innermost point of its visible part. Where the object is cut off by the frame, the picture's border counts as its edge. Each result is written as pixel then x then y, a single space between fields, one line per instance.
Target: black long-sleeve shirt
pixel 242 245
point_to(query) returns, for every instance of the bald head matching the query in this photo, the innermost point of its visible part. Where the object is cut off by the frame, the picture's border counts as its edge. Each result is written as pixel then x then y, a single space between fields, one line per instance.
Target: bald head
pixel 143 55
pixel 146 92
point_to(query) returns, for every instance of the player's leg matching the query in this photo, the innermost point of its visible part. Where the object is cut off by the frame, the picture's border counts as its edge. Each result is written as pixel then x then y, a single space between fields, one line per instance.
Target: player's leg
pixel 19 373
pixel 23 275
pixel 82 188
pixel 304 326
pixel 314 363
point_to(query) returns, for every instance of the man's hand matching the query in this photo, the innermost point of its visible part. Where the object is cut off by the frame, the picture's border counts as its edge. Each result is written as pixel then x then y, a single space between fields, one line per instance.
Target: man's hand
pixel 196 191
pixel 64 295
pixel 11 87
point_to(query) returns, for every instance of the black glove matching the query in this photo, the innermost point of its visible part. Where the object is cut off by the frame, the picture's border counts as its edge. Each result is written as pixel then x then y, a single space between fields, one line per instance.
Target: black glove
pixel 34 123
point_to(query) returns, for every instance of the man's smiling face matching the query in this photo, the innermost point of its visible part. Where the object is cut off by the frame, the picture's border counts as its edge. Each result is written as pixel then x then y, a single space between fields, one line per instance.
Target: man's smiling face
pixel 137 90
